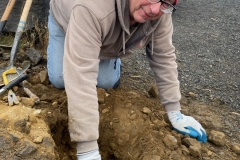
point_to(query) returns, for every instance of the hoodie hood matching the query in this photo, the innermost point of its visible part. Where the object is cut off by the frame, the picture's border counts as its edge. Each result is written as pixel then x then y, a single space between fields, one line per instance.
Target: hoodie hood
pixel 123 13
pixel 144 29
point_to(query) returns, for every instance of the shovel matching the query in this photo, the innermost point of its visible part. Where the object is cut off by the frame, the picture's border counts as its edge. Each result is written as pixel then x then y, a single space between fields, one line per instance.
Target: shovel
pixel 19 32
pixel 6 14
pixel 11 70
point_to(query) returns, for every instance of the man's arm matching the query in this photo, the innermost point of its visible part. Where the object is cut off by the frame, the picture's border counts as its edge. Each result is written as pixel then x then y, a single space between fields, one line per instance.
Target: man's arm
pixel 80 70
pixel 164 66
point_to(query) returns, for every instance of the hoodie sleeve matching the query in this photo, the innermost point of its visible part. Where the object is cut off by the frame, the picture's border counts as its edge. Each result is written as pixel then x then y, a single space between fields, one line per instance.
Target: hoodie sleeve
pixel 162 61
pixel 80 70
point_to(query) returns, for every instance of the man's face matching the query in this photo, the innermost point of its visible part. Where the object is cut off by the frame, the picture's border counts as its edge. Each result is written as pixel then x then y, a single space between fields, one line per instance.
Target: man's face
pixel 142 11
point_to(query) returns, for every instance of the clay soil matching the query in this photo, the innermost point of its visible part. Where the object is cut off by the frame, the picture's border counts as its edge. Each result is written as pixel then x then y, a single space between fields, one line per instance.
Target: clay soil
pixel 133 123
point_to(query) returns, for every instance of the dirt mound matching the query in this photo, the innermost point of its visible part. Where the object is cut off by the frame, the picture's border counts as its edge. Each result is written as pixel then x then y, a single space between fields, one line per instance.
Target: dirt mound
pixel 23 135
pixel 133 126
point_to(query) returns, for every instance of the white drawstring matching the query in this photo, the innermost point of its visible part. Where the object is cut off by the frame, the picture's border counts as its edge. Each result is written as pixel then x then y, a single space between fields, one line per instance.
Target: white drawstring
pixel 152 42
pixel 123 36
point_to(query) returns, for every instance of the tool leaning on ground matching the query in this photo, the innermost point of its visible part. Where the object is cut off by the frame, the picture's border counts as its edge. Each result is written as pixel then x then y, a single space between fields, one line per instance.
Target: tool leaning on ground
pixel 6 14
pixel 12 99
pixel 12 74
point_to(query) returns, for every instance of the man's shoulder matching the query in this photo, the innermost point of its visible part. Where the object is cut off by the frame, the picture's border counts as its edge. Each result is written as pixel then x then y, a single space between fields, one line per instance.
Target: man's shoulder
pixel 101 8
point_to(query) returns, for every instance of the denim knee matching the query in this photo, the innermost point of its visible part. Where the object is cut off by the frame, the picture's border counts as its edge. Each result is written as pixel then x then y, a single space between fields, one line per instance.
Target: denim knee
pixel 109 73
pixel 57 81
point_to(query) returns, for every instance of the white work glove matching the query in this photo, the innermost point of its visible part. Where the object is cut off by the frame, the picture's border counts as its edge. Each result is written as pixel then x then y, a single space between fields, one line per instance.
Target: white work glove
pixel 187 125
pixel 91 155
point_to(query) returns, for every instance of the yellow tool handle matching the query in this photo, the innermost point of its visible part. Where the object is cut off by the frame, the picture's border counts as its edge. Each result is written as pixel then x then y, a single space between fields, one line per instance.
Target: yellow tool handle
pixel 4 74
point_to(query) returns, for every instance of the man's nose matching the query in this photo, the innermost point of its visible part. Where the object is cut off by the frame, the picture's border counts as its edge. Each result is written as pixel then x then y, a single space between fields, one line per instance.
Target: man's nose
pixel 155 8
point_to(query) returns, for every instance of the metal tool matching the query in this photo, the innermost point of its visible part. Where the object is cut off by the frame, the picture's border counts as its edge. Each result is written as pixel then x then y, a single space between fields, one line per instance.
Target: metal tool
pixel 12 99
pixel 11 69
pixel 19 32
pixel 14 75
pixel 31 95
pixel 13 83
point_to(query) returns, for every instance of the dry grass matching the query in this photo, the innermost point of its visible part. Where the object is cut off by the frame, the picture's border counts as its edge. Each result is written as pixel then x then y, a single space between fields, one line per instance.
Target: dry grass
pixel 37 37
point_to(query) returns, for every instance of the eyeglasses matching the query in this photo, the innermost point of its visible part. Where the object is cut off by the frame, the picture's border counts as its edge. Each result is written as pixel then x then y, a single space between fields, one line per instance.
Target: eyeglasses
pixel 165 7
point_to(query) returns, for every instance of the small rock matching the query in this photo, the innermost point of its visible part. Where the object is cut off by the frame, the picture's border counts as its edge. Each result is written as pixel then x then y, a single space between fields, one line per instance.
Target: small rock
pixel 34 79
pixel 34 55
pixel 146 110
pixel 191 142
pixel 184 150
pixel 171 142
pixel 44 97
pixel 37 112
pixel 55 104
pixel 174 156
pixel 193 95
pixel 133 116
pixel 153 91
pixel 28 149
pixel 15 137
pixel 105 110
pixel 38 139
pixel 28 102
pixel 101 95
pixel 218 138
pixel 15 88
pixel 195 151
pixel 236 148
pixel 48 142
pixel 43 76
pixel 133 94
pixel 21 125
pixel 209 153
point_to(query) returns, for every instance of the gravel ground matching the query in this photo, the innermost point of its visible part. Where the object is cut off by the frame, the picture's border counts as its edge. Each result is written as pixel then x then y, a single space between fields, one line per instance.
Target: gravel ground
pixel 206 37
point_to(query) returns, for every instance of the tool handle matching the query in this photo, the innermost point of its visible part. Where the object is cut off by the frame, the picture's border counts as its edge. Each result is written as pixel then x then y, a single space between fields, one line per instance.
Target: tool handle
pixel 24 15
pixel 5 73
pixel 6 14
pixel 13 83
pixel 21 26
pixel 32 95
pixel 8 10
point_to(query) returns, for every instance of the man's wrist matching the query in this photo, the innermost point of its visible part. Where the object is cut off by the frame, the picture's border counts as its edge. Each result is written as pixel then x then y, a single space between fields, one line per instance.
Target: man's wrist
pixel 175 106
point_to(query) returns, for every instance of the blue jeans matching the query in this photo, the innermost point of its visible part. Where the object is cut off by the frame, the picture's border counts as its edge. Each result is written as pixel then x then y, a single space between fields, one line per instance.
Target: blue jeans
pixel 109 70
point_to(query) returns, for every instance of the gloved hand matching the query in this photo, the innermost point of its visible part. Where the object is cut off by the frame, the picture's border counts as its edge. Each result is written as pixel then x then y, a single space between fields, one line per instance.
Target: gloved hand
pixel 187 125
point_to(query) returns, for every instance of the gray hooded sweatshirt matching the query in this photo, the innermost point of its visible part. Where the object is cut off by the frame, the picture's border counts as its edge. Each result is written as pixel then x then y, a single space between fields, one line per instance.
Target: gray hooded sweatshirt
pixel 100 29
